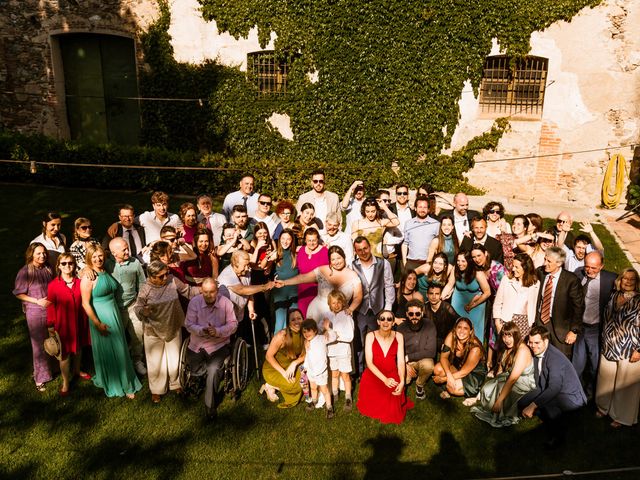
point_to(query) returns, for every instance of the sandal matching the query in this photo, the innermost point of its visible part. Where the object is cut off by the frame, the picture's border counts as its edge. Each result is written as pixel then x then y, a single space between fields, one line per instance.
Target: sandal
pixel 600 414
pixel 270 391
pixel 615 424
pixel 131 396
pixel 41 387
pixel 444 395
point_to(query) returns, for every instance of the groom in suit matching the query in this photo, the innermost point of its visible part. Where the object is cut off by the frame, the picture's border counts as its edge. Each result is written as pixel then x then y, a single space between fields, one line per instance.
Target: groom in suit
pixel 558 390
pixel 560 301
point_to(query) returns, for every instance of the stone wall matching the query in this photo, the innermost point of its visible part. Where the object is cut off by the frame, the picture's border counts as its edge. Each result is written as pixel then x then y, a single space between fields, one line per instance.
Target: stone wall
pixel 31 99
pixel 591 105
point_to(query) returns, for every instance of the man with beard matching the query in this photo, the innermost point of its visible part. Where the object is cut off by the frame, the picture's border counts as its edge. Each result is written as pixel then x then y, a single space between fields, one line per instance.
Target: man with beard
pixel 582 245
pixel 419 346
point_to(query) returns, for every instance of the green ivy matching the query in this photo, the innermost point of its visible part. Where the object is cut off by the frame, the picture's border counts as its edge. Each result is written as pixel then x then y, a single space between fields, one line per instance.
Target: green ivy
pixel 390 75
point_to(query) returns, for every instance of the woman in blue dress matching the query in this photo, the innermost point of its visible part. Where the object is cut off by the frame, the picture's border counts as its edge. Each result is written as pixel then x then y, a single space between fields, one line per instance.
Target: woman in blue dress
pixel 469 290
pixel 286 297
pixel 114 370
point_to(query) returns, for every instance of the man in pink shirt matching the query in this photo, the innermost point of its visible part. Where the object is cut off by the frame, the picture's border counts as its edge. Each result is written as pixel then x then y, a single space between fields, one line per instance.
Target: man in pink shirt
pixel 211 321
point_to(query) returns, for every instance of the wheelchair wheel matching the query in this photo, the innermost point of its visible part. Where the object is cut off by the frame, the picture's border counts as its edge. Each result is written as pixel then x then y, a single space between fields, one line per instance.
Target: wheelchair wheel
pixel 240 365
pixel 184 373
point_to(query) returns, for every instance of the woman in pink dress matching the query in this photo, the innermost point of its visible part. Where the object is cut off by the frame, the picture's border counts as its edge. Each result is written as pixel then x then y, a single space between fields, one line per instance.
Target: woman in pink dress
pixel 311 256
pixel 381 394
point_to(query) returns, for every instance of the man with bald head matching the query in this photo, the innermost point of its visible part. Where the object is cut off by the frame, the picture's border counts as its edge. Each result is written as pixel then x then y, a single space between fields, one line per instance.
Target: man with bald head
pixel 211 321
pixel 129 274
pixel 462 216
pixel 597 285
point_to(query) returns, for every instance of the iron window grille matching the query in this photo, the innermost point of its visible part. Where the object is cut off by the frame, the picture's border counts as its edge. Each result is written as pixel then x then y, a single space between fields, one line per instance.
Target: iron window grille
pixel 513 87
pixel 268 72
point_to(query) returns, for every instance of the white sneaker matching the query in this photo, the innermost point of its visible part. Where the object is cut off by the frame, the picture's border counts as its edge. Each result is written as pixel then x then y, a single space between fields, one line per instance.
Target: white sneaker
pixel 140 368
pixel 321 401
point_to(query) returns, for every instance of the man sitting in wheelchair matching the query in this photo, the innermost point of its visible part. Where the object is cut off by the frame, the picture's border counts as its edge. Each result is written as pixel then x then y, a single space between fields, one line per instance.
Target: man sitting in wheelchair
pixel 211 321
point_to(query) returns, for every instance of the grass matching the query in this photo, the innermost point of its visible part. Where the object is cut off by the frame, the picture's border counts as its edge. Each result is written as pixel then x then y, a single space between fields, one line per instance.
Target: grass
pixel 88 435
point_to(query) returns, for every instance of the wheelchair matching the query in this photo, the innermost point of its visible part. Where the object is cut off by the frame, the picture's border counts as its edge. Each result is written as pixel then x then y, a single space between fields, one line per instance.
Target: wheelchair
pixel 235 371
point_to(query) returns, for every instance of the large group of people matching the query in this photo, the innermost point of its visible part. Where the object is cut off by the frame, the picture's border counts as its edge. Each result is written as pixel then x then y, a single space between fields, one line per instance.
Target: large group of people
pixel 519 320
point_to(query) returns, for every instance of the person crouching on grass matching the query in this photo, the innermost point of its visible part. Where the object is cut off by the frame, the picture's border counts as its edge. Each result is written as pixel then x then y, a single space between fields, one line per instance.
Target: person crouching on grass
pixel 316 364
pixel 340 325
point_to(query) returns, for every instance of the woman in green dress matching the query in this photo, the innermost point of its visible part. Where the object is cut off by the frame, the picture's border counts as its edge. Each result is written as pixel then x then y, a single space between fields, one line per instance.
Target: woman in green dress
pixel 284 355
pixel 114 370
pixel 513 377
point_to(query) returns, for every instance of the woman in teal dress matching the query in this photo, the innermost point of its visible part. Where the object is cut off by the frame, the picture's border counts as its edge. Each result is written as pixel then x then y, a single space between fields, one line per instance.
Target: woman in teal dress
pixel 286 297
pixel 513 377
pixel 470 292
pixel 114 370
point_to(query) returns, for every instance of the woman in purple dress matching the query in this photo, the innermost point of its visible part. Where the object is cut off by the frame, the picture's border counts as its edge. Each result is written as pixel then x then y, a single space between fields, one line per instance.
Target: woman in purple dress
pixel 31 288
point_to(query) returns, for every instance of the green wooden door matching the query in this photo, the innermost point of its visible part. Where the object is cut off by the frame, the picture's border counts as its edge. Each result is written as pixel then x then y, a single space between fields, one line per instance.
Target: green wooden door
pixel 100 88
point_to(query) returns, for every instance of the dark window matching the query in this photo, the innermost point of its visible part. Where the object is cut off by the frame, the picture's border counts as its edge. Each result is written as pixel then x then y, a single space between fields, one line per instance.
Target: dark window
pixel 513 87
pixel 268 72
pixel 101 88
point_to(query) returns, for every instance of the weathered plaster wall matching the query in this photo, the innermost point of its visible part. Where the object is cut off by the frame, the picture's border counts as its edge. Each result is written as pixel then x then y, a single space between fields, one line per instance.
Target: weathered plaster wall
pixel 591 103
pixel 28 67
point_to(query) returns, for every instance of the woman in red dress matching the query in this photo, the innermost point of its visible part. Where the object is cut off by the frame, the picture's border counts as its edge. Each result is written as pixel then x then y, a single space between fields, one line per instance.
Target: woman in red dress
pixel 66 316
pixel 381 392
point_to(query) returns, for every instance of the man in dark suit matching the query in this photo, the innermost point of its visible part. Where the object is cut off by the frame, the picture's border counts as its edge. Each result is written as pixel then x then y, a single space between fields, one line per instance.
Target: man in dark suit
pixel 479 229
pixel 597 285
pixel 560 301
pixel 132 233
pixel 461 214
pixel 558 390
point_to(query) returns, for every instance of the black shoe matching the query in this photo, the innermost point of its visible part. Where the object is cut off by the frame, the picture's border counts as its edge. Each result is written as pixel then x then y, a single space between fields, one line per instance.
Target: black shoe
pixel 330 413
pixel 310 407
pixel 348 405
pixel 211 413
pixel 420 393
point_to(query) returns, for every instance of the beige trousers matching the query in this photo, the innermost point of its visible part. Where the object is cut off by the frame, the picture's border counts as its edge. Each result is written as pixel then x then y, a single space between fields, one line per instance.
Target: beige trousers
pixel 424 369
pixel 618 390
pixel 163 363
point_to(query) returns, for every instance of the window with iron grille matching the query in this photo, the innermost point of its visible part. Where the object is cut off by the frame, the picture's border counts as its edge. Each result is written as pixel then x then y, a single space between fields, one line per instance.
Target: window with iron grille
pixel 268 72
pixel 513 88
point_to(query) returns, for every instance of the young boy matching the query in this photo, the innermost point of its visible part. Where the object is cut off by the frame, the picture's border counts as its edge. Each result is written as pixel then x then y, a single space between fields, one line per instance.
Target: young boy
pixel 340 327
pixel 316 363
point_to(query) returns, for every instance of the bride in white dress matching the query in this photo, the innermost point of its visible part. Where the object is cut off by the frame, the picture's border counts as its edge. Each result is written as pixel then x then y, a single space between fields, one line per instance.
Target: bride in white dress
pixel 336 275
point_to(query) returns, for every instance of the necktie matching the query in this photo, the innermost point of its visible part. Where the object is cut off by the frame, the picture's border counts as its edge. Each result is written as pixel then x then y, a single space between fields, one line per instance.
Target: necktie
pixel 545 311
pixel 133 251
pixel 244 201
pixel 585 287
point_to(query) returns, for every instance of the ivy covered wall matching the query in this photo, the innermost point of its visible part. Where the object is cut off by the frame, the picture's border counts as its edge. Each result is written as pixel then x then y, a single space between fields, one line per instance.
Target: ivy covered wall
pixel 390 74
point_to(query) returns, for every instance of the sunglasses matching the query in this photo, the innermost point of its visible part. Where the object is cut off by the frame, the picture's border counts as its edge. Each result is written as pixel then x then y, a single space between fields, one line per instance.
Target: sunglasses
pixel 402 193
pixel 494 211
pixel 386 319
pixel 264 203
pixel 85 227
pixel 562 221
pixel 64 264
pixel 414 314
pixel 385 200
pixel 285 213
pixel 318 181
pixel 170 239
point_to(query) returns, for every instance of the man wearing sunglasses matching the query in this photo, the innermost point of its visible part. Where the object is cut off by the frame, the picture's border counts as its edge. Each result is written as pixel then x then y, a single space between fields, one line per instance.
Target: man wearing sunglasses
pixel 419 346
pixel 264 213
pixel 323 201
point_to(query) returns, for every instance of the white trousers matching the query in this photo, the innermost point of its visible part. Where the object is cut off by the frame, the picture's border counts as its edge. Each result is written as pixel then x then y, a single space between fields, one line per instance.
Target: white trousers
pixel 163 363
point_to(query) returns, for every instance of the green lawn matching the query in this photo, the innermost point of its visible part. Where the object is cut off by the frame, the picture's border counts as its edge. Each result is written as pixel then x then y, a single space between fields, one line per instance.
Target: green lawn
pixel 88 435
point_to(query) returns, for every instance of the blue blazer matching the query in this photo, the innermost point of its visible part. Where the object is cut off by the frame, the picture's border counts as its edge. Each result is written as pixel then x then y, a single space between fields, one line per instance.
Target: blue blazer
pixel 558 385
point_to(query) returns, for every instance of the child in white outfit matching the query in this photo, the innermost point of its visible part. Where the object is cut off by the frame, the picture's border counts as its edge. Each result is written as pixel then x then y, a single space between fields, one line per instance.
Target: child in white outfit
pixel 316 364
pixel 339 325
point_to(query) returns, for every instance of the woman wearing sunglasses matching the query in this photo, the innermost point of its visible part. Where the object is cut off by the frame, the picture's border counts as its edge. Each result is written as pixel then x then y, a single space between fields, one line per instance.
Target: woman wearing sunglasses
pixel 158 307
pixel 114 369
pixel 381 394
pixel 82 238
pixel 66 317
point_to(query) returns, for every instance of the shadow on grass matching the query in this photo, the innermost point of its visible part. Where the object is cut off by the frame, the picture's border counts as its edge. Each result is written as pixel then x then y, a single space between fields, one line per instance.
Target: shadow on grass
pixel 449 462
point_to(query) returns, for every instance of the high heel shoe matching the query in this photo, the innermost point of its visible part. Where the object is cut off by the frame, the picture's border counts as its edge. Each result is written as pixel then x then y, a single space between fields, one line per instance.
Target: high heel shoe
pixel 270 391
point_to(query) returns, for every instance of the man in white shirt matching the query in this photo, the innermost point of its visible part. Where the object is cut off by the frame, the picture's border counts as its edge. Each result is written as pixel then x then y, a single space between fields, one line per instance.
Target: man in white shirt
pixel 264 214
pixel 153 220
pixel 352 204
pixel 334 236
pixel 324 201
pixel 212 220
pixel 245 196
pixel 581 246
